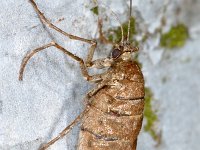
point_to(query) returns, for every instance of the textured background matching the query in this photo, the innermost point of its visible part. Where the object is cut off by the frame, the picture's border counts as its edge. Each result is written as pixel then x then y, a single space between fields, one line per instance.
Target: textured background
pixel 50 97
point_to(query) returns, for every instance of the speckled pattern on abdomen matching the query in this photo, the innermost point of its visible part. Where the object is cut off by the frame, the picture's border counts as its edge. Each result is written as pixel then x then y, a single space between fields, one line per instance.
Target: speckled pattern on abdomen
pixel 116 112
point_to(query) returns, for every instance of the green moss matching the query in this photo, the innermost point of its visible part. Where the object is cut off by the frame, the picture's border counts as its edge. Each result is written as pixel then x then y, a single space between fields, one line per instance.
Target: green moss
pixel 176 37
pixel 114 35
pixel 95 10
pixel 150 115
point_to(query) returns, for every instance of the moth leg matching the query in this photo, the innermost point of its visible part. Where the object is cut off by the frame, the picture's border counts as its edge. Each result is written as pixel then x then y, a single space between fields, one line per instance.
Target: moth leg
pixel 97 63
pixel 99 86
pixel 90 54
pixel 28 56
pixel 65 131
pixel 44 20
pixel 83 68
pixel 102 38
pixel 88 100
pixel 102 63
pixel 93 43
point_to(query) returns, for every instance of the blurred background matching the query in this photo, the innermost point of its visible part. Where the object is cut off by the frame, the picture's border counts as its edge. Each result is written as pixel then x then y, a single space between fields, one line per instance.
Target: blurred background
pixel 51 95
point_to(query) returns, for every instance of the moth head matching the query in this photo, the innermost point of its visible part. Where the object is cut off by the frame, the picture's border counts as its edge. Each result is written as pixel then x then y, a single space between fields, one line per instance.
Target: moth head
pixel 123 50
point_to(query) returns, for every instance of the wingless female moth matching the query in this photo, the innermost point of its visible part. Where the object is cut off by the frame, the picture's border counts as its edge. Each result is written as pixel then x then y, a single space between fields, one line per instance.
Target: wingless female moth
pixel 113 116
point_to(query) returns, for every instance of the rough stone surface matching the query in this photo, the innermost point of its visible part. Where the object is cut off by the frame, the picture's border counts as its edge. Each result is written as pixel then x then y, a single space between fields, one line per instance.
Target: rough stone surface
pixel 51 94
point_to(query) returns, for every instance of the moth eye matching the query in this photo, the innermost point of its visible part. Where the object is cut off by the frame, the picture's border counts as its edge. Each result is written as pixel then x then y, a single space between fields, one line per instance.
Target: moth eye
pixel 116 53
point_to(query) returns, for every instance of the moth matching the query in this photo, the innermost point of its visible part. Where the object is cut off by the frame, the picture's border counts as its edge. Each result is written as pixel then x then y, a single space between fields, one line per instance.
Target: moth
pixel 113 116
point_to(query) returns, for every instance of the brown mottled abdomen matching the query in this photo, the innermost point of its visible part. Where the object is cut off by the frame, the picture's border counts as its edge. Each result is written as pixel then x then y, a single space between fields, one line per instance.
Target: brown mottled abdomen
pixel 116 112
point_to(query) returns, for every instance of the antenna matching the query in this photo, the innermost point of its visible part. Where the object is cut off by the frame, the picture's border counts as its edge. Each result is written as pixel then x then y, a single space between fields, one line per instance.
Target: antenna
pixel 129 23
pixel 116 17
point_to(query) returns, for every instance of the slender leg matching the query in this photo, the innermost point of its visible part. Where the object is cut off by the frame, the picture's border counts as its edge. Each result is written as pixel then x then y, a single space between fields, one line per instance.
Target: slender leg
pixel 65 131
pixel 102 63
pixel 28 56
pixel 90 55
pixel 93 43
pixel 45 20
pixel 84 71
pixel 97 88
pixel 81 62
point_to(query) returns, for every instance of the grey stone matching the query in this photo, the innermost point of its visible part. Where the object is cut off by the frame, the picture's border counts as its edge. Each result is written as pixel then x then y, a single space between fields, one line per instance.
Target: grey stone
pixel 51 95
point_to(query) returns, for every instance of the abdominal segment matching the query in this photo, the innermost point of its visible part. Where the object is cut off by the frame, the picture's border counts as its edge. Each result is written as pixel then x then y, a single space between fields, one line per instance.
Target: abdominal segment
pixel 112 123
pixel 114 119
